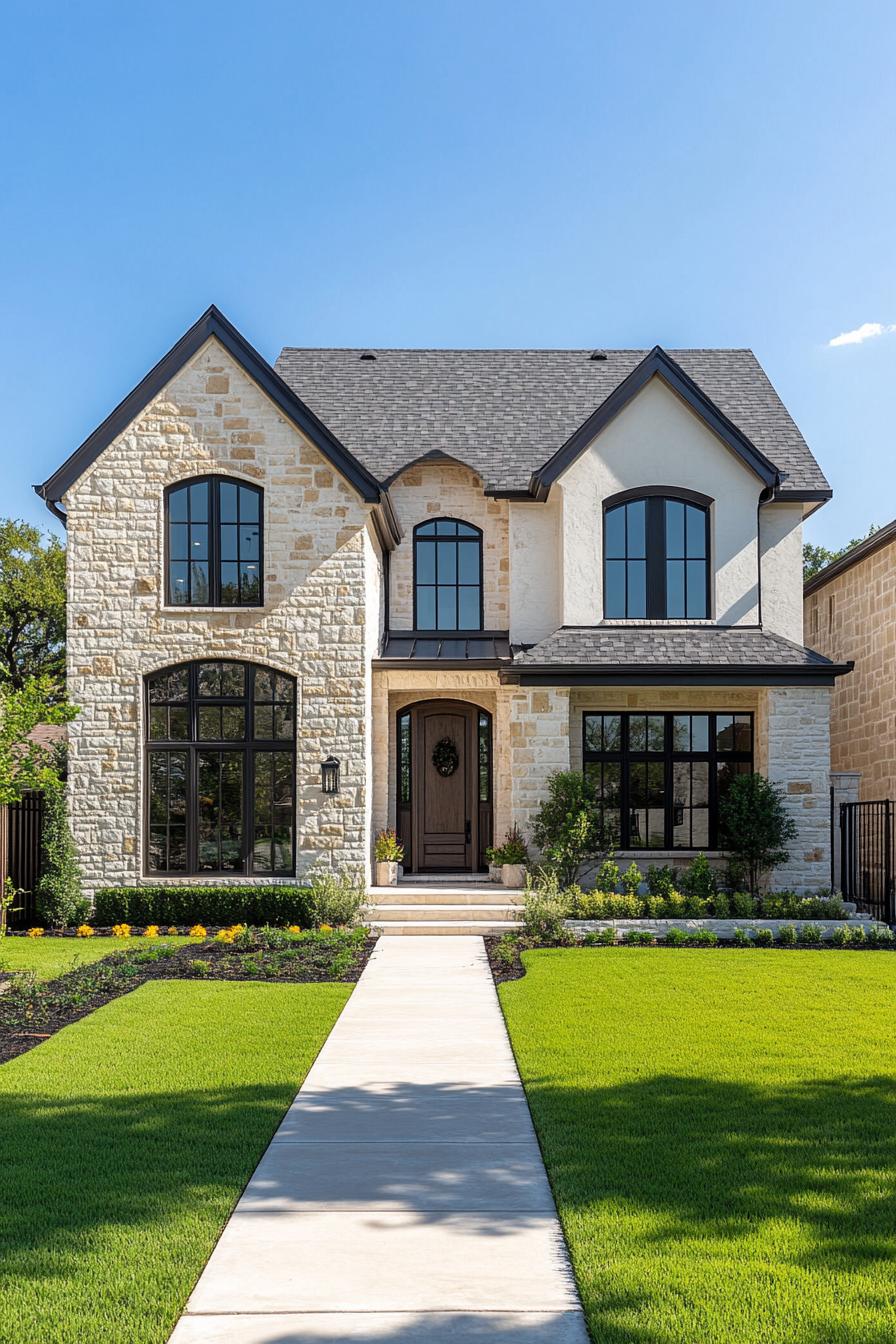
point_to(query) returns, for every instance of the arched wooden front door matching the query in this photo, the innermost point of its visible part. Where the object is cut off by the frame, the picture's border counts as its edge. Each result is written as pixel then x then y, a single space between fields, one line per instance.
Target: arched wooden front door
pixel 444 812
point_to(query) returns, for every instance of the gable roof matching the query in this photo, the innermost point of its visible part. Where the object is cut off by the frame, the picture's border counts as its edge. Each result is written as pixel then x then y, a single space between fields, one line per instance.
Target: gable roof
pixel 508 413
pixel 211 323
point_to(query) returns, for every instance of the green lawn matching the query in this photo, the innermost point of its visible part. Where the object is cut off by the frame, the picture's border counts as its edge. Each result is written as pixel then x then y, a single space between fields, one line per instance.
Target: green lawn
pixel 720 1132
pixel 126 1139
pixel 49 957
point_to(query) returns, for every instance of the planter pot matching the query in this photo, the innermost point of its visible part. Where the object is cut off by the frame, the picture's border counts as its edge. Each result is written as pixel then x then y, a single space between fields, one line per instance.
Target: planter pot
pixel 494 872
pixel 513 874
pixel 386 874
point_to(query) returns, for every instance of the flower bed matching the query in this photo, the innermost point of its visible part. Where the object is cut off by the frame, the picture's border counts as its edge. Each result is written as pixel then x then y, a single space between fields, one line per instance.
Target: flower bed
pixel 32 1010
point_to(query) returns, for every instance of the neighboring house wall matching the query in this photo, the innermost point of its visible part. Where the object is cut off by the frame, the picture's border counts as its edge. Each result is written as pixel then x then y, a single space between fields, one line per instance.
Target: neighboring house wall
pixel 853 616
pixel 448 490
pixel 657 440
pixel 319 620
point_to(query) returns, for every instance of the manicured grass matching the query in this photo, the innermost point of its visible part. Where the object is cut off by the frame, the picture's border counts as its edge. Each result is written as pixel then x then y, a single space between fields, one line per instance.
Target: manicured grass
pixel 720 1132
pixel 126 1139
pixel 49 957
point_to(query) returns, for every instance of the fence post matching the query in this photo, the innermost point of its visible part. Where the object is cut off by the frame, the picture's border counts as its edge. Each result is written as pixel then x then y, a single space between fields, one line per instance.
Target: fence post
pixel 844 789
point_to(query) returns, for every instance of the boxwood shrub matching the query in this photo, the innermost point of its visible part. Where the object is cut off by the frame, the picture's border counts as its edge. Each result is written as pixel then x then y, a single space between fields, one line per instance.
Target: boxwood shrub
pixel 203 905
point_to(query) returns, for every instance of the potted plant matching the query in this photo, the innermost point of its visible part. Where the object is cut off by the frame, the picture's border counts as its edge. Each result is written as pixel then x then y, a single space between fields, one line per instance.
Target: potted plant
pixel 493 859
pixel 388 852
pixel 513 856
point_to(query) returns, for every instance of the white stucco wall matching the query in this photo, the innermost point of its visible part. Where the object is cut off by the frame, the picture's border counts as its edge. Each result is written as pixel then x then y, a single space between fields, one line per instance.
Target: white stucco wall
pixel 535 569
pixel 781 558
pixel 658 440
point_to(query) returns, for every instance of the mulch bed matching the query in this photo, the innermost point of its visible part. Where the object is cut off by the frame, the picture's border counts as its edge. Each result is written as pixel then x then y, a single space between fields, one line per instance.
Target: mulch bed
pixel 501 969
pixel 58 1003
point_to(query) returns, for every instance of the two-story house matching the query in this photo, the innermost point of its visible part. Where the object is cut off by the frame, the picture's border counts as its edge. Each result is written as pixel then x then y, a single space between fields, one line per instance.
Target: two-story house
pixel 401 587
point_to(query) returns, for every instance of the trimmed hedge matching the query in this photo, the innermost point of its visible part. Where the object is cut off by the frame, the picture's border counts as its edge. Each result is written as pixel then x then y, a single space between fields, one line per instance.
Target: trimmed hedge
pixel 203 905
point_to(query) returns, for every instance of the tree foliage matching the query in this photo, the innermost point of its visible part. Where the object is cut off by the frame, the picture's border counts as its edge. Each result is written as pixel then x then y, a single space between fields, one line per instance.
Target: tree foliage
pixel 32 607
pixel 817 558
pixel 25 764
pixel 60 900
pixel 755 826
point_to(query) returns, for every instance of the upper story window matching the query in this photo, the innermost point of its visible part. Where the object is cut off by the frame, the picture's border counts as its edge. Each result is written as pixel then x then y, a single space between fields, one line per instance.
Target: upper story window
pixel 447 576
pixel 656 558
pixel 214 538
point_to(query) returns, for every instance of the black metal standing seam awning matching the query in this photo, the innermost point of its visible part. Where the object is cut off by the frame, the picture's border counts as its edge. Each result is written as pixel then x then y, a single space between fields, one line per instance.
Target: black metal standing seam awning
pixel 490 648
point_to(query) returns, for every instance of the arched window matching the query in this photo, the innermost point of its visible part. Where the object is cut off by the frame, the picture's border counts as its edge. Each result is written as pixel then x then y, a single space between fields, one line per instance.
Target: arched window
pixel 656 557
pixel 213 532
pixel 447 576
pixel 220 769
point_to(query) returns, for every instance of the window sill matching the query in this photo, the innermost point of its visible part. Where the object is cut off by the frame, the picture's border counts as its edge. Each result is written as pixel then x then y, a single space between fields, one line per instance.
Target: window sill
pixel 207 611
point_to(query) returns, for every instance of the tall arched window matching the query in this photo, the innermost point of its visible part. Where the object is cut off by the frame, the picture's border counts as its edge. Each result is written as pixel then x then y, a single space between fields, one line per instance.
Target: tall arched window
pixel 447 575
pixel 214 543
pixel 220 769
pixel 656 556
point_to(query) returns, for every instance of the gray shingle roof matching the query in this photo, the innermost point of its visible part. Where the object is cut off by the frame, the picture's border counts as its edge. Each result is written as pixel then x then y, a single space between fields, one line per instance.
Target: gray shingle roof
pixel 664 646
pixel 506 412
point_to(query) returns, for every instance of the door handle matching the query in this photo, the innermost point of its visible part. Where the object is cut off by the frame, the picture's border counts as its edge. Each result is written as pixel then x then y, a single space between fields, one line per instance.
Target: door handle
pixel 468 830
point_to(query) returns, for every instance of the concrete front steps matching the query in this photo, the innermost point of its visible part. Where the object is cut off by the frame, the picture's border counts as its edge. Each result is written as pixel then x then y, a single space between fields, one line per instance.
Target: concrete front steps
pixel 460 906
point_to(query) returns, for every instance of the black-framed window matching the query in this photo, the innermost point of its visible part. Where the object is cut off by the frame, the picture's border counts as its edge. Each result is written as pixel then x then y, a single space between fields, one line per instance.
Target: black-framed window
pixel 660 776
pixel 214 540
pixel 447 575
pixel 220 770
pixel 656 558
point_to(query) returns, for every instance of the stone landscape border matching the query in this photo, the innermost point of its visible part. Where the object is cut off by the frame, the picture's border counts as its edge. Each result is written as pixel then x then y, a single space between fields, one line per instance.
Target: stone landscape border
pixel 722 928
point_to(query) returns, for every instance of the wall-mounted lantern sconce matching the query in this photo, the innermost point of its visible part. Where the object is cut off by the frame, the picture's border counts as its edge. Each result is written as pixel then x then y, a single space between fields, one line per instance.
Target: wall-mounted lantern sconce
pixel 329 775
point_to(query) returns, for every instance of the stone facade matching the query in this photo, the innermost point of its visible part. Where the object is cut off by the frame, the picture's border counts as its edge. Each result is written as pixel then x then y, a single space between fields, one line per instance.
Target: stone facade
pixel 852 615
pixel 319 606
pixel 795 727
pixel 449 490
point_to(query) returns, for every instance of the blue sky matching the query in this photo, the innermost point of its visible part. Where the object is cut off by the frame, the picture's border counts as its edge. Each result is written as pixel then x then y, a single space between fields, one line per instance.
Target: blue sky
pixel 478 173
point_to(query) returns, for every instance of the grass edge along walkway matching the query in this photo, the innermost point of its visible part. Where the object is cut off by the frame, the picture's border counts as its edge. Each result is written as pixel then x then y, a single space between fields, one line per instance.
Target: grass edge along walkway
pixel 125 1141
pixel 719 1129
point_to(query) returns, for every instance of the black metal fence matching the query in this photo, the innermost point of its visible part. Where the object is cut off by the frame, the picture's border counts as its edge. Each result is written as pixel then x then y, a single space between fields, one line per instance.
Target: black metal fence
pixel 866 857
pixel 20 843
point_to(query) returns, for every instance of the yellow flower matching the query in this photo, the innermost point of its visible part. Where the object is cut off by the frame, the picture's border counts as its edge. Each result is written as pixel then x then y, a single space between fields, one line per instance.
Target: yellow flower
pixel 237 928
pixel 294 928
pixel 197 931
pixel 172 928
pixel 84 931
pixel 224 936
pixel 326 928
pixel 151 931
pixel 35 933
pixel 121 930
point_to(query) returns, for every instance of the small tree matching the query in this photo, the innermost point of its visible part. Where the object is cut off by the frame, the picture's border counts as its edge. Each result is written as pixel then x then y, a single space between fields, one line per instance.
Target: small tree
pixel 755 826
pixel 60 901
pixel 569 827
pixel 25 764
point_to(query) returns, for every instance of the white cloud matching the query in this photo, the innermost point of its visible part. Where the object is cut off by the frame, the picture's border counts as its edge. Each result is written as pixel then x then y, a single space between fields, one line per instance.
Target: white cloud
pixel 865 332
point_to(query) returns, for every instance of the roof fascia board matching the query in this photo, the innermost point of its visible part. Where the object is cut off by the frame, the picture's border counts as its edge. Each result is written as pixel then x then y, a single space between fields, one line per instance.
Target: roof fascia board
pixel 655 364
pixel 212 323
pixel 577 675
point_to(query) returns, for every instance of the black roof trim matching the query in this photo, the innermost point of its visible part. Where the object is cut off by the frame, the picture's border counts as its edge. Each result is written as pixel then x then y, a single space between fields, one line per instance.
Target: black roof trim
pixel 882 537
pixel 629 674
pixel 211 323
pixel 656 363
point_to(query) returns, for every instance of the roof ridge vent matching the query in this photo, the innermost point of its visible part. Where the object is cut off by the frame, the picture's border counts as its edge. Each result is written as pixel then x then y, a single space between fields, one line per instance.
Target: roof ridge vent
pixel 367 354
pixel 598 354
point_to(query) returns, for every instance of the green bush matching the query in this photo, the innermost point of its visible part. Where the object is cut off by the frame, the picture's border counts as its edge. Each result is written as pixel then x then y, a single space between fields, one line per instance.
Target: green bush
pixel 187 905
pixel 696 907
pixel 842 936
pixel 880 937
pixel 60 901
pixel 676 938
pixel 336 897
pixel 638 938
pixel 600 938
pixel 857 937
pixel 809 935
pixel 698 879
pixel 721 905
pixel 569 827
pixel 742 937
pixel 755 826
pixel 545 909
pixel 608 876
pixel 703 938
pixel 506 950
pixel 764 938
pixel 787 935
pixel 632 879
pixel 513 850
pixel 607 905
pixel 743 905
pixel 660 880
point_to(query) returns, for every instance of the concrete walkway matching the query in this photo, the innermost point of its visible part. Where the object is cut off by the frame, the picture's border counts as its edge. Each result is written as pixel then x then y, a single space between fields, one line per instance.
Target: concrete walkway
pixel 403 1197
